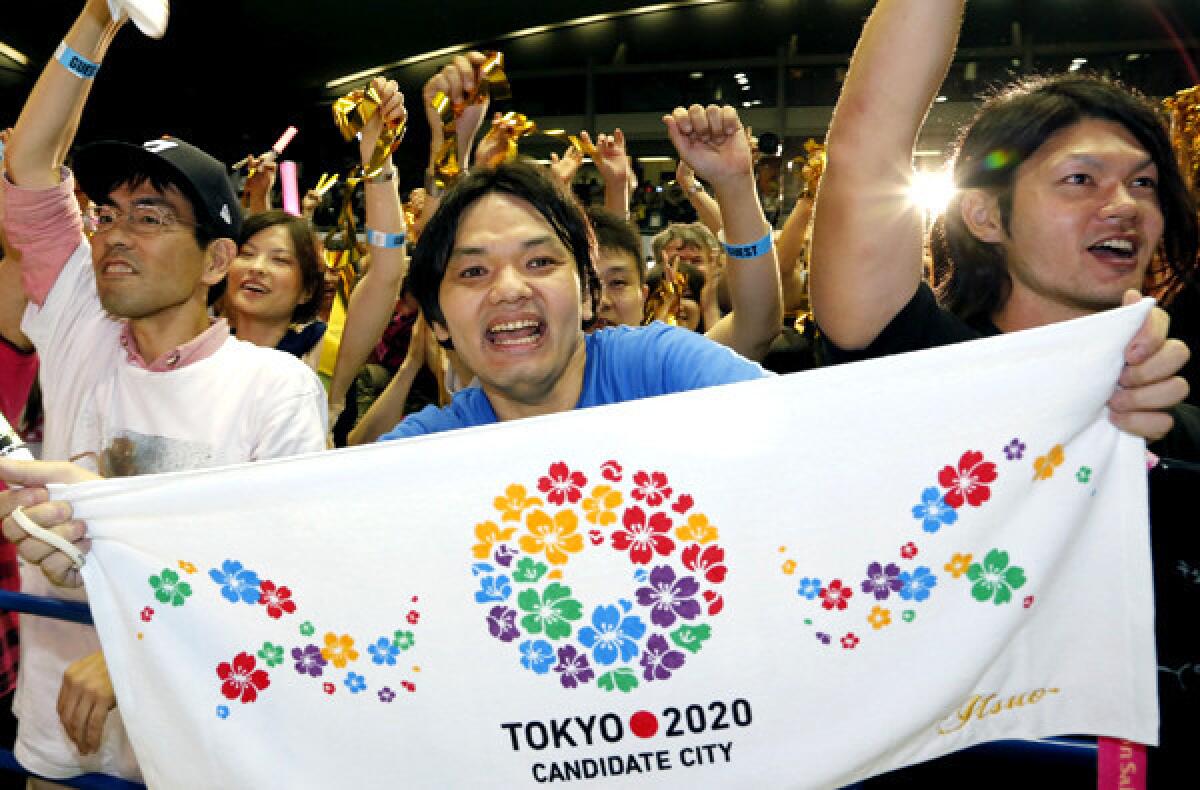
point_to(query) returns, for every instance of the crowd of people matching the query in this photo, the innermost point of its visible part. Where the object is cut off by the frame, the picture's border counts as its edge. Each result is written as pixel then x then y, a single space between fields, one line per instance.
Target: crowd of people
pixel 174 324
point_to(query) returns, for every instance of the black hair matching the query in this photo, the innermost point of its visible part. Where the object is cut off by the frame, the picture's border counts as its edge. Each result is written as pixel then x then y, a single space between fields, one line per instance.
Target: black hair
pixel 304 246
pixel 616 234
pixel 517 179
pixel 1008 129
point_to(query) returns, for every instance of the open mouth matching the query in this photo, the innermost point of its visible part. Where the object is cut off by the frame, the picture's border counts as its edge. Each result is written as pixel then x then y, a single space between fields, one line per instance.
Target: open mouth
pixel 511 334
pixel 255 288
pixel 116 267
pixel 1115 250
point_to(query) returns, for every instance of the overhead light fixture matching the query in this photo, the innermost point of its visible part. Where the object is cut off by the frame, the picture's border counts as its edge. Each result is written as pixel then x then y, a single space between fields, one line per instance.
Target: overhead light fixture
pixel 745 87
pixel 745 104
pixel 554 132
pixel 941 99
pixel 20 58
pixel 1076 64
pixel 656 159
pixel 529 31
pixel 697 75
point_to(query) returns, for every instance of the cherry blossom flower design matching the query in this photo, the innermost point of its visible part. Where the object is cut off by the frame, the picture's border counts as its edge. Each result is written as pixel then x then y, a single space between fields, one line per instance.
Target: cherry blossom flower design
pixel 611 471
pixel 501 622
pixel 659 660
pixel 958 565
pixel 908 550
pixel 651 488
pixel 241 679
pixel 882 580
pixel 339 650
pixel 309 660
pixel 644 538
pixel 836 596
pixel 413 617
pixel 147 614
pixel 850 641
pixel 512 505
pixel 683 504
pixel 879 617
pixel 556 536
pixel 707 563
pixel 669 598
pixel 561 484
pixel 1014 450
pixel 573 667
pixel 385 694
pixel 967 482
pixel 277 599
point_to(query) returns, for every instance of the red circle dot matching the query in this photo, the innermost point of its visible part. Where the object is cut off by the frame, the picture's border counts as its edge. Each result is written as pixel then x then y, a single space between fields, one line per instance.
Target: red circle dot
pixel 643 724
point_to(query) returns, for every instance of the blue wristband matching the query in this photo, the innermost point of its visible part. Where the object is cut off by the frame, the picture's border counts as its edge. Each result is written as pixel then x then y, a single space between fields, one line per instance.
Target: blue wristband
pixel 753 250
pixel 75 63
pixel 377 238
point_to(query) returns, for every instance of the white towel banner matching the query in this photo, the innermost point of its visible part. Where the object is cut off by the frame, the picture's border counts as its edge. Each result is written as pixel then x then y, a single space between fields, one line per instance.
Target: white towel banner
pixel 792 582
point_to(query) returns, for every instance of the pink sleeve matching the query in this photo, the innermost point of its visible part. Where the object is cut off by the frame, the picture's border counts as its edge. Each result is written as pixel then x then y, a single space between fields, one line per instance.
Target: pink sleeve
pixel 44 227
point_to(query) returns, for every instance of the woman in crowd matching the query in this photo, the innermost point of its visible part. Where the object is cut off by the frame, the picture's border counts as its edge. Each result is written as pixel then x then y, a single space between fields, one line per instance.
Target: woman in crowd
pixel 274 286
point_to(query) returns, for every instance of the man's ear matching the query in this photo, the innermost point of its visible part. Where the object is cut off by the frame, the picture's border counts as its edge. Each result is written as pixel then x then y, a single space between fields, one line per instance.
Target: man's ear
pixel 217 257
pixel 981 214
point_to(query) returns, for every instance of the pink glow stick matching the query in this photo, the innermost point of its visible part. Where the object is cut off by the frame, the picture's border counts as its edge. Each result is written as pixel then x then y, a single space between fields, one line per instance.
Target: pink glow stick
pixel 291 193
pixel 284 139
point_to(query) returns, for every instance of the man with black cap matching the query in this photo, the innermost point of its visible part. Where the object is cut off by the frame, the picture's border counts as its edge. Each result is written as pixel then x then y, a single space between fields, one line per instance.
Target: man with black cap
pixel 137 378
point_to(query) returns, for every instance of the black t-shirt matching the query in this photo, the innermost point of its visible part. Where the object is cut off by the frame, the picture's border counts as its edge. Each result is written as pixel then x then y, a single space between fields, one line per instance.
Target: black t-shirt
pixel 1175 543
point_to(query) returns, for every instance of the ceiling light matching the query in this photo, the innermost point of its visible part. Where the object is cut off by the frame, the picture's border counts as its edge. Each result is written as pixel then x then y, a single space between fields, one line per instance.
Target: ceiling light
pixel 19 58
pixel 745 104
pixel 697 75
pixel 941 99
pixel 745 87
pixel 656 159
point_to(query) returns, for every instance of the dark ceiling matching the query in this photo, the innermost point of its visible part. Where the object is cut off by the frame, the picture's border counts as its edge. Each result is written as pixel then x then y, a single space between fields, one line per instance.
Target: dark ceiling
pixel 231 75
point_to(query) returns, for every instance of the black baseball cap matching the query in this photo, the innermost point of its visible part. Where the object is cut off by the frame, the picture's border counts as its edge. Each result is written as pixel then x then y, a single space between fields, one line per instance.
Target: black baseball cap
pixel 100 167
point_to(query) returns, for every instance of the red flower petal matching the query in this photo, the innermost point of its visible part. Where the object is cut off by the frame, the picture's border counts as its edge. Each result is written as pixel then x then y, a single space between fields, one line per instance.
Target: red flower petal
pixel 231 689
pixel 954 497
pixel 690 554
pixel 558 470
pixel 611 471
pixel 660 522
pixel 260 679
pixel 716 574
pixel 634 517
pixel 683 504
pixel 596 536
pixel 978 495
pixel 948 477
pixel 244 663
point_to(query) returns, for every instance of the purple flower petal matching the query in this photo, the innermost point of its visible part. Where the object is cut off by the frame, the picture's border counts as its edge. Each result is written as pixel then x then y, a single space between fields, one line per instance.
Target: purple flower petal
pixel 662 576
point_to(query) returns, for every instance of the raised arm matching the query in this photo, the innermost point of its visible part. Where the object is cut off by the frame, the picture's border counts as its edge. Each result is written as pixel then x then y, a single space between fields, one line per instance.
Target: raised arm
pixel 374 298
pixel 714 145
pixel 707 210
pixel 49 120
pixel 458 80
pixel 866 254
pixel 616 171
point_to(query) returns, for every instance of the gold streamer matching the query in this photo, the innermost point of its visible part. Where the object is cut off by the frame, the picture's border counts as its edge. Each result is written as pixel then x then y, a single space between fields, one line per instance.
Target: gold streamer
pixel 584 146
pixel 670 290
pixel 1183 109
pixel 813 158
pixel 352 112
pixel 518 126
pixel 493 84
pixel 345 262
pixel 325 183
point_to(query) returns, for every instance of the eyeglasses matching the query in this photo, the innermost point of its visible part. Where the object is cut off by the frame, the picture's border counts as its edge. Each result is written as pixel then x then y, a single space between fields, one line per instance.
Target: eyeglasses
pixel 143 220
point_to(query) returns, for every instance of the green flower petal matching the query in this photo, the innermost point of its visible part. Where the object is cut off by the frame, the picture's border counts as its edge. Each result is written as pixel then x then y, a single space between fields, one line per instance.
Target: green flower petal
pixel 691 637
pixel 1015 577
pixel 975 571
pixel 996 561
pixel 170 576
pixel 556 592
pixel 982 591
pixel 619 680
pixel 403 640
pixel 569 609
pixel 1003 594
pixel 532 623
pixel 529 570
pixel 163 596
pixel 529 600
pixel 184 589
pixel 155 582
pixel 558 629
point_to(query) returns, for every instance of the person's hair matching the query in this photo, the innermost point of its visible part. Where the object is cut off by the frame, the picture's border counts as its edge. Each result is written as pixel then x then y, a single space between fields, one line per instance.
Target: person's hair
pixel 304 247
pixel 694 233
pixel 516 179
pixel 618 235
pixel 1008 129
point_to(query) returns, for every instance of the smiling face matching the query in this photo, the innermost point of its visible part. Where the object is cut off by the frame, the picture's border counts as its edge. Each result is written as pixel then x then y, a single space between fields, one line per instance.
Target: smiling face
pixel 512 303
pixel 1085 224
pixel 265 279
pixel 139 275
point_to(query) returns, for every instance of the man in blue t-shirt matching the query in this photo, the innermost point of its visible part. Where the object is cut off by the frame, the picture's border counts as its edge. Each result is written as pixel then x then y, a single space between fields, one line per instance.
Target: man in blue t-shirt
pixel 503 274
